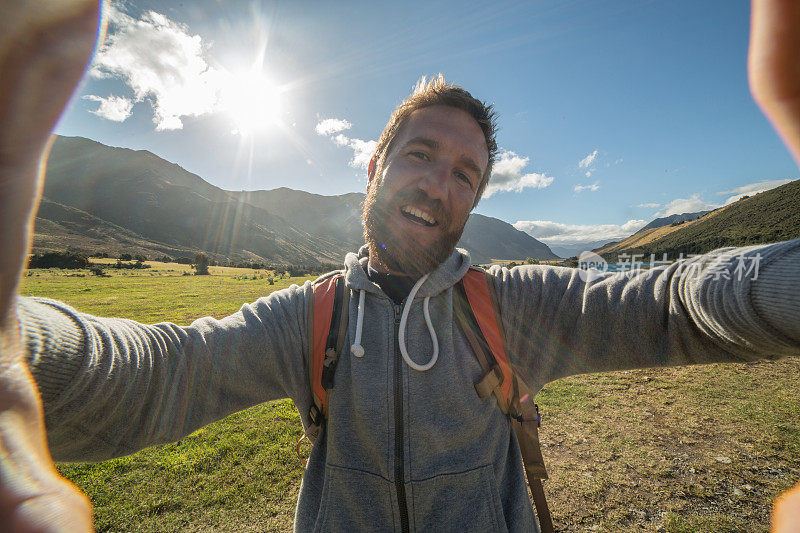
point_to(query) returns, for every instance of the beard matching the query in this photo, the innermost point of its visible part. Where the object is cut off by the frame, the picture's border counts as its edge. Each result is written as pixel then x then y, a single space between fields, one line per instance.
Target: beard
pixel 399 253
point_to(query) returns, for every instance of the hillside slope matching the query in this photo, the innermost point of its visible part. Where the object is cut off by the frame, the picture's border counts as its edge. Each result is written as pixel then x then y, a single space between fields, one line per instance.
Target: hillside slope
pixel 770 216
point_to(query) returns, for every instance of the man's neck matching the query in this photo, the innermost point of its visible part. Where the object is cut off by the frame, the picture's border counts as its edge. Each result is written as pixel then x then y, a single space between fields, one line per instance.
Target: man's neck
pixel 395 286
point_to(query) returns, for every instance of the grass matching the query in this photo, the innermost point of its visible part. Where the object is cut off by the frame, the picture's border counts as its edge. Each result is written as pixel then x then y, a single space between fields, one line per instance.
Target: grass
pixel 689 449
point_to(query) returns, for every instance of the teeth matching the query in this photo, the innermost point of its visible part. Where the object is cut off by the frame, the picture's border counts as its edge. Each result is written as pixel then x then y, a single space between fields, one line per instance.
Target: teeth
pixel 417 213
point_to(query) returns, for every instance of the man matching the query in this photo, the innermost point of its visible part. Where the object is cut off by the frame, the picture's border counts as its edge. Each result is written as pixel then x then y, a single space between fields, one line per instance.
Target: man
pixel 408 444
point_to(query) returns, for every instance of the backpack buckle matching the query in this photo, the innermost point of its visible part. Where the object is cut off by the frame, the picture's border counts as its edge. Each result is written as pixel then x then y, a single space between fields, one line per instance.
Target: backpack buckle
pixel 315 415
pixel 526 414
pixel 329 368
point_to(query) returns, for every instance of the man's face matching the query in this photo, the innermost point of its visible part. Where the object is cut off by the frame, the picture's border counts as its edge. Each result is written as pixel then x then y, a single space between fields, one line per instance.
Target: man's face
pixel 419 200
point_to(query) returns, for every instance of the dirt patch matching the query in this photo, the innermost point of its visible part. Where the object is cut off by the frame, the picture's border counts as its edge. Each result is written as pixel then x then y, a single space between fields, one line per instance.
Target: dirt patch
pixel 678 449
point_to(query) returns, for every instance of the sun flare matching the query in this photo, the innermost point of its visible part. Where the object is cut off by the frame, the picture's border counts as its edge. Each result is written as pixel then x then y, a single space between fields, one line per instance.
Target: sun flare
pixel 252 101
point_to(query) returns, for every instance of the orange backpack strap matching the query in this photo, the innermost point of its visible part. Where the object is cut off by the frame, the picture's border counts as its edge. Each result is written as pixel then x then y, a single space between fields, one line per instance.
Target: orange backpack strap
pixel 327 325
pixel 478 313
pixel 482 303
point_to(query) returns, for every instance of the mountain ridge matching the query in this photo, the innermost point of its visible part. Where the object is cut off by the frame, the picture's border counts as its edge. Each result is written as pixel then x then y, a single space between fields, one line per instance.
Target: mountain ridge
pixel 137 198
pixel 768 216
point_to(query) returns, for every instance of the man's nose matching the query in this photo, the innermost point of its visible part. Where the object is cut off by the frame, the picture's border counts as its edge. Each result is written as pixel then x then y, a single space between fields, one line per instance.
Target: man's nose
pixel 435 182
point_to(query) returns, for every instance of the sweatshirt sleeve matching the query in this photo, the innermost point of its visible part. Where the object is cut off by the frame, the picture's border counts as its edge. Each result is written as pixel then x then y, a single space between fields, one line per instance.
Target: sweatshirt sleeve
pixel 111 386
pixel 732 304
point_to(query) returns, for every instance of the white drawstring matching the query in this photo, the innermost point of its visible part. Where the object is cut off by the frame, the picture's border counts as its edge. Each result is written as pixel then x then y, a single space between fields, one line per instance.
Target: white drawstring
pixel 356 349
pixel 402 333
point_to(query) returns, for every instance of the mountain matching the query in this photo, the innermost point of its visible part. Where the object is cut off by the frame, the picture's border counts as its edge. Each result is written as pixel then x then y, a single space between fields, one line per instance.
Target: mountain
pixel 770 216
pixel 488 238
pixel 485 237
pixel 673 219
pixel 576 248
pixel 99 198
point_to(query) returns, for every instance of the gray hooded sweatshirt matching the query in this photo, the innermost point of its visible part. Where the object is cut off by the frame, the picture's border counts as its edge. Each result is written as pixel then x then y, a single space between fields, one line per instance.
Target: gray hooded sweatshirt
pixel 402 449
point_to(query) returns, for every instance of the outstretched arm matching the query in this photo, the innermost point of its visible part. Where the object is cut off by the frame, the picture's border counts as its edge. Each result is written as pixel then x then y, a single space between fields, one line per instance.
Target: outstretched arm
pixel 44 49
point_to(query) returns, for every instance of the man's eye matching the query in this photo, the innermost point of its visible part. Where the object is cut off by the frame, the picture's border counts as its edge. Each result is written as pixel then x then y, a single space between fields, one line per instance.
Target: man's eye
pixel 463 177
pixel 419 155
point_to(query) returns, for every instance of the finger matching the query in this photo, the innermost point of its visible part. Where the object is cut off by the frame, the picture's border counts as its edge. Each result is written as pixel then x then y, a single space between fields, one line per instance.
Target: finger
pixel 773 67
pixel 44 49
pixel 786 512
pixel 33 496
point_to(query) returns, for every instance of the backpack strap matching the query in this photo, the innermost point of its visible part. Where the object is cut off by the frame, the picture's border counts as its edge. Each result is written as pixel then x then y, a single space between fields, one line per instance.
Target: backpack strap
pixel 478 313
pixel 327 326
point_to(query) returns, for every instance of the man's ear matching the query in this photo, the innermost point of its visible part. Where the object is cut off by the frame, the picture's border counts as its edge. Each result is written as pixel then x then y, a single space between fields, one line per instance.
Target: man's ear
pixel 370 171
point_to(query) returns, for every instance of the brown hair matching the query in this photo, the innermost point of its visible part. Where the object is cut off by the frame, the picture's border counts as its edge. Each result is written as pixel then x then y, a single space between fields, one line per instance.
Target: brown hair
pixel 438 92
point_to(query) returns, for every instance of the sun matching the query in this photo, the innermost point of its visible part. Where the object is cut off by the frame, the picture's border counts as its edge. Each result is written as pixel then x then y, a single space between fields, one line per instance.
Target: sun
pixel 252 101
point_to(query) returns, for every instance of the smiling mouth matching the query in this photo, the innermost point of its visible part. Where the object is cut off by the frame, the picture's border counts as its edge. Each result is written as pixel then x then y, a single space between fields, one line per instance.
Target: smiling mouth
pixel 418 216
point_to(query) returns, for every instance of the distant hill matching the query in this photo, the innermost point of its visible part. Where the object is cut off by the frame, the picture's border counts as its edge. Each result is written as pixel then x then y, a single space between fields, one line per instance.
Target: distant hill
pixel 770 216
pixel 673 219
pixel 485 237
pixel 502 239
pixel 98 198
pixel 656 229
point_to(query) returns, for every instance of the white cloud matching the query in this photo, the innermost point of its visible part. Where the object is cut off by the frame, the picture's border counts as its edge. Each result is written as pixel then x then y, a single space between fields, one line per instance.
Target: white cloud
pixel 161 62
pixel 588 174
pixel 685 205
pixel 362 150
pixel 507 175
pixel 330 126
pixel 752 188
pixel 340 140
pixel 115 108
pixel 571 239
pixel 650 205
pixel 588 160
pixel 593 187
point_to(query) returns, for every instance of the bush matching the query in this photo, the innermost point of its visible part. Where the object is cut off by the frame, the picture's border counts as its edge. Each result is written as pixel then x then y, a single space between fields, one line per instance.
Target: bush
pixel 125 257
pixel 58 260
pixel 98 271
pixel 127 266
pixel 201 265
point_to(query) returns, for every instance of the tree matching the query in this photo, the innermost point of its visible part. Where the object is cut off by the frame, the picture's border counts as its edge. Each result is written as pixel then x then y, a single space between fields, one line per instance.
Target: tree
pixel 531 261
pixel 201 265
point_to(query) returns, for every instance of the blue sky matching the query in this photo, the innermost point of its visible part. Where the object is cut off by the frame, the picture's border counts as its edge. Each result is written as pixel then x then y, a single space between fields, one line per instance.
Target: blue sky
pixel 611 112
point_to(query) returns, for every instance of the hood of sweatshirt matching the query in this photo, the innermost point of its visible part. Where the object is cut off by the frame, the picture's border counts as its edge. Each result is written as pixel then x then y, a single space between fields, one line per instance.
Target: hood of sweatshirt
pixel 443 277
pixel 440 279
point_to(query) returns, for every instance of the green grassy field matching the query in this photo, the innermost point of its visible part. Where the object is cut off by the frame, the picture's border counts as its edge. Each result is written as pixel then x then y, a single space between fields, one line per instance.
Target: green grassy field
pixel 678 449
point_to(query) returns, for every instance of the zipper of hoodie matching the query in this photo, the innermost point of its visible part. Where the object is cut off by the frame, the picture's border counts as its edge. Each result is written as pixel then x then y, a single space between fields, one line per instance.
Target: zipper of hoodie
pixel 399 466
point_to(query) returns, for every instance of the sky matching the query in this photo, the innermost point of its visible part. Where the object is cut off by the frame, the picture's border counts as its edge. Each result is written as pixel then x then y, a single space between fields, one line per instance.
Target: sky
pixel 611 113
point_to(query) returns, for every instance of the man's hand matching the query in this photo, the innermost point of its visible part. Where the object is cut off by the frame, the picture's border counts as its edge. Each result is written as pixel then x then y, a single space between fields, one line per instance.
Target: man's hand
pixel 44 48
pixel 774 72
pixel 774 66
pixel 786 512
